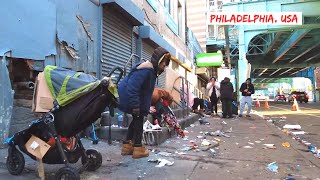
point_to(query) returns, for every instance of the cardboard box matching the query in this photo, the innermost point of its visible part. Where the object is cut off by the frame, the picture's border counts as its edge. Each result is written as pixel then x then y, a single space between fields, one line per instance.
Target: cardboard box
pixel 42 98
pixel 37 147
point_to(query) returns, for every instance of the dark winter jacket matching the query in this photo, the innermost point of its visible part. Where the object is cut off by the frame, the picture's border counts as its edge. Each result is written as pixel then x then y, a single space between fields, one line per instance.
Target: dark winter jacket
pixel 249 87
pixel 226 89
pixel 135 90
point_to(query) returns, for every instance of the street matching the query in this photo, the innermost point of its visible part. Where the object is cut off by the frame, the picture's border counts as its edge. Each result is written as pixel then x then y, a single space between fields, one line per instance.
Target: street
pixel 241 153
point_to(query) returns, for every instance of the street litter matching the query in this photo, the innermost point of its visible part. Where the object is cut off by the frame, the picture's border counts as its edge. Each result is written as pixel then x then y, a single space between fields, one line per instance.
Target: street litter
pixel 229 131
pixel 253 127
pixel 191 125
pixel 298 132
pixel 250 143
pixel 273 167
pixel 164 154
pixel 205 143
pixel 247 147
pixel 270 146
pixel 213 152
pixel 218 133
pixel 180 153
pixel 200 137
pixel 257 142
pixel 214 144
pixel 286 144
pixel 223 122
pixel 162 162
pixel 283 117
pixel 217 139
pixel 288 126
pixel 186 149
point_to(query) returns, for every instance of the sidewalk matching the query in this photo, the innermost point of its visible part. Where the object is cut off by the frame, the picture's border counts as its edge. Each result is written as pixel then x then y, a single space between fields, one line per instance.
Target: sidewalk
pixel 231 161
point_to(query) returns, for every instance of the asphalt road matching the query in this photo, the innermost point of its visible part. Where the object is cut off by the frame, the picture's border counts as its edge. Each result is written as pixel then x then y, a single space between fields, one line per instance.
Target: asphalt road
pixel 308 118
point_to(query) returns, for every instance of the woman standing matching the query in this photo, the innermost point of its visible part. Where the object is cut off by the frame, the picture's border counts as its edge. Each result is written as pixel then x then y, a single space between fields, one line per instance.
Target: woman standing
pixel 214 92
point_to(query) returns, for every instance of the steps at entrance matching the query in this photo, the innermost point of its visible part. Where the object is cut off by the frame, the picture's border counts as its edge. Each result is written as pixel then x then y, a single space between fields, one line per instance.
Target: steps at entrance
pixel 158 136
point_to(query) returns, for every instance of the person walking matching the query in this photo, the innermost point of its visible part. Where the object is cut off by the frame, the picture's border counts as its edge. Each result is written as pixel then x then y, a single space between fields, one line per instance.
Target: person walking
pixel 135 93
pixel 247 90
pixel 226 90
pixel 214 92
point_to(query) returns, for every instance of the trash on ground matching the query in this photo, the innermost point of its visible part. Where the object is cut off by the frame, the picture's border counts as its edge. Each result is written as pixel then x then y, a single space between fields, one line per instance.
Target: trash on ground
pixel 253 127
pixel 205 143
pixel 229 131
pixel 250 143
pixel 286 144
pixel 223 122
pixel 164 154
pixel 186 149
pixel 199 137
pixel 289 126
pixel 217 139
pixel 297 132
pixel 185 132
pixel 218 133
pixel 213 152
pixel 192 125
pixel 257 142
pixel 261 139
pixel 162 162
pixel 180 153
pixel 283 117
pixel 273 167
pixel 270 146
pixel 247 147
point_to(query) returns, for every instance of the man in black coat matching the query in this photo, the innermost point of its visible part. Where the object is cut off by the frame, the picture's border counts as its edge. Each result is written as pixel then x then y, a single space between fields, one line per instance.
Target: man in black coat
pixel 247 89
pixel 226 90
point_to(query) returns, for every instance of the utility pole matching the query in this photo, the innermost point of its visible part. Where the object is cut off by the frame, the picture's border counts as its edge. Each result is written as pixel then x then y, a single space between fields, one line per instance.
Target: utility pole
pixel 227 48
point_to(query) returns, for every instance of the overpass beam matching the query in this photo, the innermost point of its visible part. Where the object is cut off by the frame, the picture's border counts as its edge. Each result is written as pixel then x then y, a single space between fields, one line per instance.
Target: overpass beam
pixel 294 38
pixel 282 66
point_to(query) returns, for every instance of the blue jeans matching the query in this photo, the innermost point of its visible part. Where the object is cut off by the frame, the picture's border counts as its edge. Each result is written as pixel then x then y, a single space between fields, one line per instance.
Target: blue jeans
pixel 245 100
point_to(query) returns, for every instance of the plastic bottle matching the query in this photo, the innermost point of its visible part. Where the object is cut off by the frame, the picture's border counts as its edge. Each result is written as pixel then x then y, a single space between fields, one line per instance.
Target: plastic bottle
pixel 120 120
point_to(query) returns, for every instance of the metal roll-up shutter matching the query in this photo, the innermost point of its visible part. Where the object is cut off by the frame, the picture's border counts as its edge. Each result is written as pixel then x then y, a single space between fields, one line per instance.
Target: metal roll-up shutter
pixel 147 51
pixel 161 82
pixel 116 40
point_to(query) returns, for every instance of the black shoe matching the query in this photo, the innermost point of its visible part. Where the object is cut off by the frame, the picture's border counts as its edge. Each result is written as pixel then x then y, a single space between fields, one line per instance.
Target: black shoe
pixel 240 115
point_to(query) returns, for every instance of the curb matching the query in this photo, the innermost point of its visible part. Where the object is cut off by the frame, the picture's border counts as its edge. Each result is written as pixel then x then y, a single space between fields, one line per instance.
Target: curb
pixel 151 137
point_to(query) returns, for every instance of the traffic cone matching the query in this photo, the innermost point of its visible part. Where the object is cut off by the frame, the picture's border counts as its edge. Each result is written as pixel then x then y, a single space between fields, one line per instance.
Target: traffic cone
pixel 266 104
pixel 295 106
pixel 258 103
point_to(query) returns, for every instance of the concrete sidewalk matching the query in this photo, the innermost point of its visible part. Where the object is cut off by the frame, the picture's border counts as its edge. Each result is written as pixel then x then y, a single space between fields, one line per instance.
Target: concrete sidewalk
pixel 231 161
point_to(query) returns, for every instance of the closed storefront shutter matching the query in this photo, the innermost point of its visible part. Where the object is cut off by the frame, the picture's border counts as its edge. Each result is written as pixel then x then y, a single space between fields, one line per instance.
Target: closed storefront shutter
pixel 116 40
pixel 147 51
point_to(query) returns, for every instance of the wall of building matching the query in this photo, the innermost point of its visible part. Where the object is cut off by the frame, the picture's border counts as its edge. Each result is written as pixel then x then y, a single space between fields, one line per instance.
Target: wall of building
pixel 64 33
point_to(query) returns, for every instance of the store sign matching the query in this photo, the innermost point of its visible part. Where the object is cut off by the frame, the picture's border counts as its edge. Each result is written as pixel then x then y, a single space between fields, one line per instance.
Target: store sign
pixel 209 59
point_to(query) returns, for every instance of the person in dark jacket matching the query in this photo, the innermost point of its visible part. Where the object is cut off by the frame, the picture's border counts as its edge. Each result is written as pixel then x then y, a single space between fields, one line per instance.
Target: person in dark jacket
pixel 226 90
pixel 247 89
pixel 135 93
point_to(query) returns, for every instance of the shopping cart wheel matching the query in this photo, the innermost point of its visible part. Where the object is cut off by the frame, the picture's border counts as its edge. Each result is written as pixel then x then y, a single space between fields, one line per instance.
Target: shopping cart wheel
pixel 67 173
pixel 93 158
pixel 15 161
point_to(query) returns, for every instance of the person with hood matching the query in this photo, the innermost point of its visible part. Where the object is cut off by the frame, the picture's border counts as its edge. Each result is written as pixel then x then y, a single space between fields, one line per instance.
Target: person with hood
pixel 214 92
pixel 247 89
pixel 135 93
pixel 226 96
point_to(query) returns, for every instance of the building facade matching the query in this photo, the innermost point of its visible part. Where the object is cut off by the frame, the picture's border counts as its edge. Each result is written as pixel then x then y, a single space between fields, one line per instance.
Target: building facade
pixel 93 36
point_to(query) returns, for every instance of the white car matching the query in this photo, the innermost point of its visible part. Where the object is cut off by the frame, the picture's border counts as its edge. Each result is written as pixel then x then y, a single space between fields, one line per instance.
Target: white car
pixel 259 97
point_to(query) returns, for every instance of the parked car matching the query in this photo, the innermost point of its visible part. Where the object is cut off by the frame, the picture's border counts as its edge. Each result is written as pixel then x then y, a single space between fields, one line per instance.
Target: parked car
pixel 299 96
pixel 259 97
pixel 280 97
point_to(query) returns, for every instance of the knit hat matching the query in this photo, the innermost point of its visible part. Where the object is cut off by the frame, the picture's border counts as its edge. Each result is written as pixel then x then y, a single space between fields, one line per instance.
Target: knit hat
pixel 159 55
